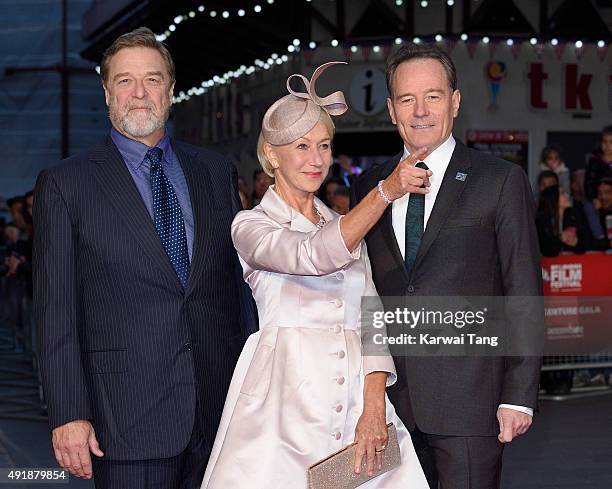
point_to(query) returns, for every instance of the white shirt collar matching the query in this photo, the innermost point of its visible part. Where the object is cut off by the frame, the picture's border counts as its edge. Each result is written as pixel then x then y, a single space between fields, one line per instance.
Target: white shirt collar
pixel 437 162
pixel 439 158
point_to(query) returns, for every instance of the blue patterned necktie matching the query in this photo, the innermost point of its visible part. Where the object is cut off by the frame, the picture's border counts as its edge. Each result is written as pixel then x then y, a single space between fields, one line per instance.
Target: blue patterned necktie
pixel 415 217
pixel 168 217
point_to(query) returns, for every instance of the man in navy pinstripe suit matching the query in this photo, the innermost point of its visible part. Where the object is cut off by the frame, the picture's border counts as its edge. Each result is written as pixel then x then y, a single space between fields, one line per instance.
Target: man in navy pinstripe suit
pixel 138 294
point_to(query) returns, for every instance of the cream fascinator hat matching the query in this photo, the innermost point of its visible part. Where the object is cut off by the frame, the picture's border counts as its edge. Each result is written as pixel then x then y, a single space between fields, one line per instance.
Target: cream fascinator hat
pixel 294 115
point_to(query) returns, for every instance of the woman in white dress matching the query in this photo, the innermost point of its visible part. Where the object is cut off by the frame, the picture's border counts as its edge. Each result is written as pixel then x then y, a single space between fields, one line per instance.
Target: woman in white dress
pixel 302 389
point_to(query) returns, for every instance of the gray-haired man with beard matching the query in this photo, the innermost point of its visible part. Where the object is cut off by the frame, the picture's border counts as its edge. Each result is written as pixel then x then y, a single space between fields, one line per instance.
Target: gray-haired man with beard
pixel 140 327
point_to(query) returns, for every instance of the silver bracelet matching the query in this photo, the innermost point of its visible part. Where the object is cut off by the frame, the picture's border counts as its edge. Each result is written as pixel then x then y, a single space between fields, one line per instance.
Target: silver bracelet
pixel 382 194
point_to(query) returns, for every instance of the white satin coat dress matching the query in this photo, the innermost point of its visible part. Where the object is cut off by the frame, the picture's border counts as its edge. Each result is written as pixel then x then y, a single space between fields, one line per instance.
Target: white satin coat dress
pixel 297 390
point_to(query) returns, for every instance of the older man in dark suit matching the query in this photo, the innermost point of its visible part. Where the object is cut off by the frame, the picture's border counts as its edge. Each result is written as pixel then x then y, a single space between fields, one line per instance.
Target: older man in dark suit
pixel 472 234
pixel 138 296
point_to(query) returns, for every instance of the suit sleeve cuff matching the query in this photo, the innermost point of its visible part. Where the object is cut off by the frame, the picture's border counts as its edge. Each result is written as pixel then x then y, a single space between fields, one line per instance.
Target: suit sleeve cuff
pixel 522 409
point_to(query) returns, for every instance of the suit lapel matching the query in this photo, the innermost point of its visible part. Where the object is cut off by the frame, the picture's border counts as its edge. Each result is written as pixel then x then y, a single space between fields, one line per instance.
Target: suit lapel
pixel 386 221
pixel 200 192
pixel 449 193
pixel 118 185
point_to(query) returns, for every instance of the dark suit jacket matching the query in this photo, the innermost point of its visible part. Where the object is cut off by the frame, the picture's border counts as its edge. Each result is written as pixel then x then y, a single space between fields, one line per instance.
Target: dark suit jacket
pixel 121 343
pixel 480 240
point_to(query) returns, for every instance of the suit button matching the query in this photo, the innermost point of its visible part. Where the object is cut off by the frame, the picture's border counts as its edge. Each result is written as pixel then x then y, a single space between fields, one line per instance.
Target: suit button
pixel 338 302
pixel 338 328
pixel 337 435
pixel 340 380
pixel 341 354
pixel 338 408
pixel 187 347
pixel 410 289
pixel 340 275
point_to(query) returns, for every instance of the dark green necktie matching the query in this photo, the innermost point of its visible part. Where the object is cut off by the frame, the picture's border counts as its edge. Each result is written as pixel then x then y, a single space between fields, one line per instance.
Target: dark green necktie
pixel 415 217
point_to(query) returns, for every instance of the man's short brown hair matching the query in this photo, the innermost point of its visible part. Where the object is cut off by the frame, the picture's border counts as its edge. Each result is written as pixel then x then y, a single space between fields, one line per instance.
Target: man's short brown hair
pixel 412 51
pixel 143 38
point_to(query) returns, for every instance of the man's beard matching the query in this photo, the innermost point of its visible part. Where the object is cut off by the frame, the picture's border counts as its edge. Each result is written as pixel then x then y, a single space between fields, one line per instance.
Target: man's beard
pixel 138 124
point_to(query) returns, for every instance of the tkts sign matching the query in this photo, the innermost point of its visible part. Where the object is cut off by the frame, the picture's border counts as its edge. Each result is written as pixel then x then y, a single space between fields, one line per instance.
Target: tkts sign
pixel 576 87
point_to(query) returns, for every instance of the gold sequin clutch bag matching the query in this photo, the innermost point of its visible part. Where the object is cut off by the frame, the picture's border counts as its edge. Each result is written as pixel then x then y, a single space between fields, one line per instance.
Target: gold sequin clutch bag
pixel 338 470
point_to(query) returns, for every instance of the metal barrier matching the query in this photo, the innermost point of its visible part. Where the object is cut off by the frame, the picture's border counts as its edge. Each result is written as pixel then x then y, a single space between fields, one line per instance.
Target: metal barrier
pixel 575 362
pixel 20 386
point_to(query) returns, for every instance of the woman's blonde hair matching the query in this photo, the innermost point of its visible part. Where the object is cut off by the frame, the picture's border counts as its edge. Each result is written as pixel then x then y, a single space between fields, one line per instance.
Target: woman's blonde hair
pixel 261 155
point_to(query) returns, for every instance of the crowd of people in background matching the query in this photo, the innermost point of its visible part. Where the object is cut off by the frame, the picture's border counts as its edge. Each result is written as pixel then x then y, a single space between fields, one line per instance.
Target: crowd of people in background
pixel 574 210
pixel 16 244
pixel 16 269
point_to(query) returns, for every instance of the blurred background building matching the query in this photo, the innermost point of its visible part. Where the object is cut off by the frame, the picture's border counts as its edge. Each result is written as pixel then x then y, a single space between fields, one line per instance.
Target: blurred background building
pixel 51 104
pixel 532 72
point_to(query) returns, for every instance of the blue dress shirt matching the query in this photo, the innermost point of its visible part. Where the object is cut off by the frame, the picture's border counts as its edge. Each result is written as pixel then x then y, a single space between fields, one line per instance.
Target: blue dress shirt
pixel 133 153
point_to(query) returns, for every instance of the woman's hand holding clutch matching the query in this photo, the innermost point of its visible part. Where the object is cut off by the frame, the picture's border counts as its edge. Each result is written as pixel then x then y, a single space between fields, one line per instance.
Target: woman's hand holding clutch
pixel 371 433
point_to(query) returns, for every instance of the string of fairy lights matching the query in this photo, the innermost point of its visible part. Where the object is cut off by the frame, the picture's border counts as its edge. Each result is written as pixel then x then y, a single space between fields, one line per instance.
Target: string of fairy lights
pixel 213 13
pixel 225 14
pixel 296 45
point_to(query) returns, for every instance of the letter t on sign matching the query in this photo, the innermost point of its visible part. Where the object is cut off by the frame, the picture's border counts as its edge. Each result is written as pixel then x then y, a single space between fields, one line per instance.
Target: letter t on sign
pixel 577 88
pixel 536 77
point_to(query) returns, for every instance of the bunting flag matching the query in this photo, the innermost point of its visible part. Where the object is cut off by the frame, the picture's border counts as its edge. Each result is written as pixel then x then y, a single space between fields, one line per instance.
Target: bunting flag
pixel 450 45
pixel 347 54
pixel 539 49
pixel 387 50
pixel 365 52
pixel 559 48
pixel 308 55
pixel 492 48
pixel 515 49
pixel 602 51
pixel 471 47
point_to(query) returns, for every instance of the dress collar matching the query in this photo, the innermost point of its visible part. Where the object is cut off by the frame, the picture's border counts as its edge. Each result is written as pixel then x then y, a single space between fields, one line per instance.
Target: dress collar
pixel 273 205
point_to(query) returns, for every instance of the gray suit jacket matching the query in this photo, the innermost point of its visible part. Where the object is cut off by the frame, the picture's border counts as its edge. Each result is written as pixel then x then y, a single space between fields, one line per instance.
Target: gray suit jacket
pixel 480 240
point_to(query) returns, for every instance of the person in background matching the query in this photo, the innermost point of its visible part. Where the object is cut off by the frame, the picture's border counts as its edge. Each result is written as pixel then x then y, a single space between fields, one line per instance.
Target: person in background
pixel 577 185
pixel 244 200
pixel 16 206
pixel 28 202
pixel 559 227
pixel 600 165
pixel 261 182
pixel 586 211
pixel 551 160
pixel 341 200
pixel 344 170
pixel 546 178
pixel 15 249
pixel 243 191
pixel 10 234
pixel 326 192
pixel 603 204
